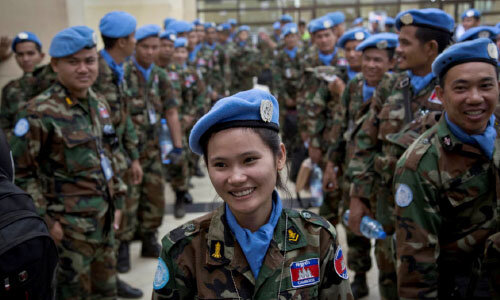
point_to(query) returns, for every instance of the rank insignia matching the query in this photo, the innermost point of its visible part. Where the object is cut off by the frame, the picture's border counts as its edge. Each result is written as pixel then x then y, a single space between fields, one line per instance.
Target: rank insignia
pixel 217 249
pixel 447 141
pixel 304 273
pixel 293 235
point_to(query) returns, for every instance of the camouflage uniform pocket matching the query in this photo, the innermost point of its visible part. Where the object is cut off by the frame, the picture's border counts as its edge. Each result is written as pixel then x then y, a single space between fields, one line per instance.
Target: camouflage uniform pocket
pixel 80 152
pixel 310 292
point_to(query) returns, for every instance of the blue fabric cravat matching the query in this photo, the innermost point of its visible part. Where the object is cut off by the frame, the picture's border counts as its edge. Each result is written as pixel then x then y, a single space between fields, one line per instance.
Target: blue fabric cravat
pixel 419 82
pixel 116 68
pixel 192 54
pixel 351 73
pixel 145 72
pixel 255 244
pixel 367 91
pixel 291 53
pixel 326 59
pixel 242 43
pixel 277 37
pixel 486 140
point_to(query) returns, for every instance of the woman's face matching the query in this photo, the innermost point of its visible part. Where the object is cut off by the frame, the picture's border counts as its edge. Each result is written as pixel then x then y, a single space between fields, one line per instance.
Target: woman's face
pixel 243 170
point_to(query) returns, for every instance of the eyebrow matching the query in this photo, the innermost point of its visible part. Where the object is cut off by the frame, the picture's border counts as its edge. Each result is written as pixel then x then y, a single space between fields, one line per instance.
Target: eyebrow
pixel 460 81
pixel 248 153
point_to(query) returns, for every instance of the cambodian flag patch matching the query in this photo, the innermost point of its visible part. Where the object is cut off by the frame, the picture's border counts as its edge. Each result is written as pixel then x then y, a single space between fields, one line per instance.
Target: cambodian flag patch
pixel 339 264
pixel 305 272
pixel 433 98
pixel 103 112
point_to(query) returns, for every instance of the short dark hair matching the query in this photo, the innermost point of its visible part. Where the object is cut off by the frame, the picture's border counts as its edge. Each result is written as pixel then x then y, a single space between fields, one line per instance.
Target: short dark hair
pixel 270 137
pixel 37 46
pixel 302 23
pixel 425 34
pixel 390 51
pixel 109 43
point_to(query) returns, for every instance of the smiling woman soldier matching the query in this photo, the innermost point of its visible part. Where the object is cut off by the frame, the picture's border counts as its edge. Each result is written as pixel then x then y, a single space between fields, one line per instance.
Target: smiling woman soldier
pixel 250 247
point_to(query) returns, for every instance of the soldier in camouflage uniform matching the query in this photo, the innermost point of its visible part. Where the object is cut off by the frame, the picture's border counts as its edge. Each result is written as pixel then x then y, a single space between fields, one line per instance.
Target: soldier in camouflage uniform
pixel 245 61
pixel 117 31
pixel 223 59
pixel 192 106
pixel 150 98
pixel 377 60
pixel 288 74
pixel 167 39
pixel 383 136
pixel 447 186
pixel 28 52
pixel 292 255
pixel 63 144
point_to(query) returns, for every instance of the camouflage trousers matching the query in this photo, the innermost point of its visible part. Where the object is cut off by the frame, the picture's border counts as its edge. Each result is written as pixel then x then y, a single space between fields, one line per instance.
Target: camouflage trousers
pixel 86 269
pixel 148 198
pixel 387 278
pixel 128 223
pixel 179 173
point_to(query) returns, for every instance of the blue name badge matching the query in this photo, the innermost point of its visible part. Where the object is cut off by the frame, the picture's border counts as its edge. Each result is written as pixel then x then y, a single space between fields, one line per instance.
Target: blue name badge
pixel 106 167
pixel 305 273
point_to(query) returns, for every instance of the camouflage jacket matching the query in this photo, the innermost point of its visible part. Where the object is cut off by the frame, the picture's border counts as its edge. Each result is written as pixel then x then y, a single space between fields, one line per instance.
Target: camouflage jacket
pixel 219 77
pixel 245 64
pixel 447 195
pixel 14 97
pixel 191 90
pixel 59 157
pixel 46 77
pixel 115 95
pixel 204 63
pixel 288 74
pixel 204 261
pixel 376 153
pixel 147 103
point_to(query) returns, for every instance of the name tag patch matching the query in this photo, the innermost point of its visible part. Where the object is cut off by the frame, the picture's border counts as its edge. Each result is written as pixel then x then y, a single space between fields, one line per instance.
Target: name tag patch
pixel 305 273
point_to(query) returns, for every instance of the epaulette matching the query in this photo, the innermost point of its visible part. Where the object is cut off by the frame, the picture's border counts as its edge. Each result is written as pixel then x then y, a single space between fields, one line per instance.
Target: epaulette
pixel 315 219
pixel 417 150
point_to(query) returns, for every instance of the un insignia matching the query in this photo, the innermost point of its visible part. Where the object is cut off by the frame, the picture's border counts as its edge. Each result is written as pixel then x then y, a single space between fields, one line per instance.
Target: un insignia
pixel 492 51
pixel 22 126
pixel 22 35
pixel 161 276
pixel 404 195
pixel 266 110
pixel 359 36
pixel 407 19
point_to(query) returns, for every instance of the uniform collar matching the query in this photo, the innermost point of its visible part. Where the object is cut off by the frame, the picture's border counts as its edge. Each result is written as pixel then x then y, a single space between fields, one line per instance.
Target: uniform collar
pixel 450 142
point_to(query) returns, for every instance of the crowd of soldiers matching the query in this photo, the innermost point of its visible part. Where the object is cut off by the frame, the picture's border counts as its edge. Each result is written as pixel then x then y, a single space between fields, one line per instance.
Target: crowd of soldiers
pixel 84 132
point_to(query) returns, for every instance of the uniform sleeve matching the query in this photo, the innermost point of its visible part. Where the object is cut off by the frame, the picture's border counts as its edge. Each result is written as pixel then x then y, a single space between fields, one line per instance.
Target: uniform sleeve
pixel 336 147
pixel 417 224
pixel 316 112
pixel 332 285
pixel 201 101
pixel 7 112
pixel 26 151
pixel 130 139
pixel 168 94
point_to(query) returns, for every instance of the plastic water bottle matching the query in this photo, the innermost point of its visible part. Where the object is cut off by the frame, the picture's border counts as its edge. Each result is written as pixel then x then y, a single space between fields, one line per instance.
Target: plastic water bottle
pixel 369 227
pixel 166 144
pixel 316 186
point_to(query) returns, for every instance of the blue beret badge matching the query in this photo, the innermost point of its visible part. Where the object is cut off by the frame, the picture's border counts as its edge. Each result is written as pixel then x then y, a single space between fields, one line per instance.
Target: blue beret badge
pixel 22 126
pixel 22 35
pixel 382 44
pixel 161 275
pixel 470 13
pixel 359 36
pixel 407 19
pixel 266 110
pixel 404 195
pixel 492 51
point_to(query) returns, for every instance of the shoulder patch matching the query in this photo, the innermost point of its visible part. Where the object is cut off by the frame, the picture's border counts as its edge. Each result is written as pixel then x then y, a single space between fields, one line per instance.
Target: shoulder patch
pixel 404 195
pixel 305 273
pixel 22 127
pixel 339 263
pixel 161 276
pixel 313 218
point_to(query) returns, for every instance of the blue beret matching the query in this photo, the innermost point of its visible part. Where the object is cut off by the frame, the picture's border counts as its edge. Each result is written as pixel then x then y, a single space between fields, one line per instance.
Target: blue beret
pixel 167 21
pixel 224 27
pixel 481 50
pixel 232 22
pixel 385 40
pixel 389 21
pixel 427 17
pixel 242 28
pixel 286 18
pixel 321 23
pixel 25 36
pixel 180 26
pixel 337 17
pixel 117 24
pixel 357 21
pixel 471 13
pixel 479 31
pixel 197 22
pixel 147 31
pixel 180 42
pixel 252 108
pixel 356 34
pixel 276 25
pixel 71 40
pixel 208 25
pixel 289 28
pixel 168 35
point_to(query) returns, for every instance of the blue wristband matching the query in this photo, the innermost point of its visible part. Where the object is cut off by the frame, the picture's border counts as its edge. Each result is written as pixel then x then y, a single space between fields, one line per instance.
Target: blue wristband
pixel 177 151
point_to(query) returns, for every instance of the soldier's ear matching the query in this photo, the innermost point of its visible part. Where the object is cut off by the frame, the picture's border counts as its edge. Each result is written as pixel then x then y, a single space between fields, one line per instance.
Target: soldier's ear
pixel 53 64
pixel 281 159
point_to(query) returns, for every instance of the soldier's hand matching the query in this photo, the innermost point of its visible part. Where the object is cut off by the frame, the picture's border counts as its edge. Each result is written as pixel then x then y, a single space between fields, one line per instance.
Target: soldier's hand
pixel 330 182
pixel 187 121
pixel 358 211
pixel 136 172
pixel 56 232
pixel 290 102
pixel 118 219
pixel 175 156
pixel 337 86
pixel 315 154
pixel 213 95
pixel 5 43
